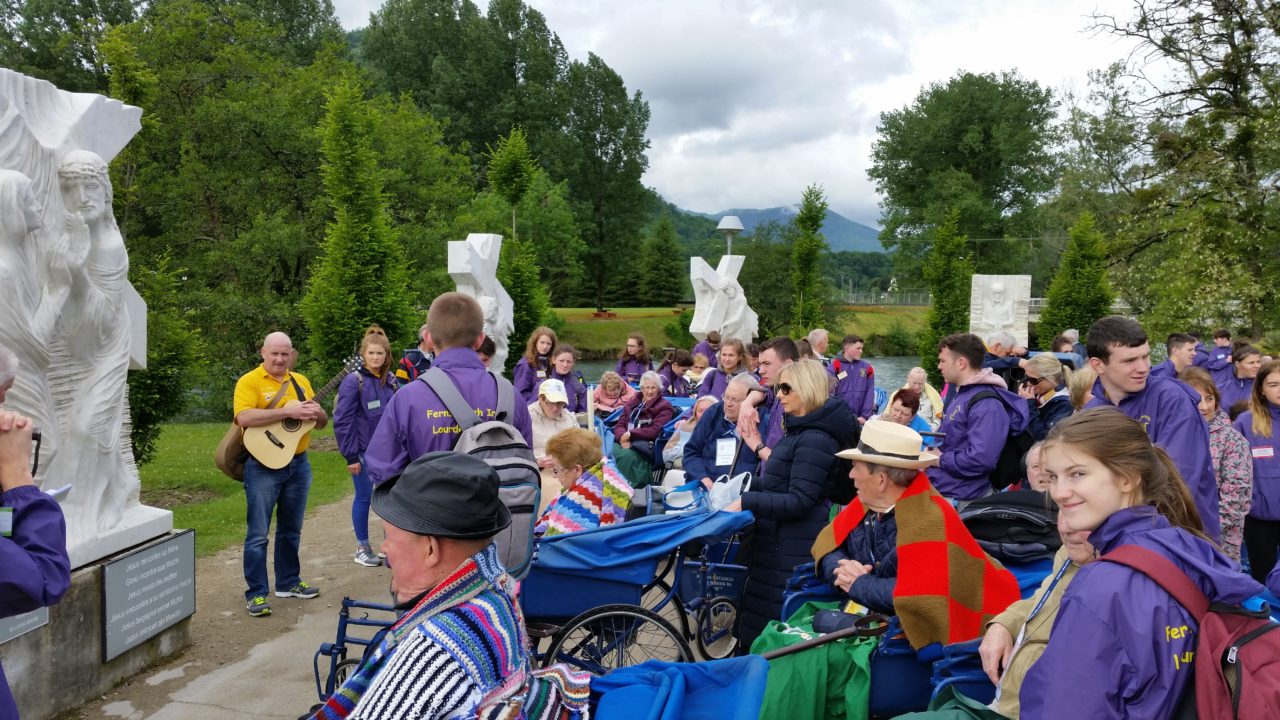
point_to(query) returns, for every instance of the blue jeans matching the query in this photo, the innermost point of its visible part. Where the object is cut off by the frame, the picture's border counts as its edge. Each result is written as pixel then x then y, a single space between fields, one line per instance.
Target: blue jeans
pixel 285 492
pixel 360 505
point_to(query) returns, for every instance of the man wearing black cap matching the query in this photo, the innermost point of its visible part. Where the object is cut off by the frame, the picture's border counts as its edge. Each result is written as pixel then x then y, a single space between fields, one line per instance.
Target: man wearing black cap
pixel 460 649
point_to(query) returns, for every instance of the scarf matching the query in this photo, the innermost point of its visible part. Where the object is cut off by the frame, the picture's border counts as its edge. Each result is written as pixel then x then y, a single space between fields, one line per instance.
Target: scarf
pixel 947 588
pixel 600 497
pixel 474 607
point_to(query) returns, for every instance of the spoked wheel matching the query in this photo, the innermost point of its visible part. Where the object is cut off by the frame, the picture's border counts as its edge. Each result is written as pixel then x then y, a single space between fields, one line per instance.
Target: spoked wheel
pixel 714 634
pixel 344 670
pixel 614 636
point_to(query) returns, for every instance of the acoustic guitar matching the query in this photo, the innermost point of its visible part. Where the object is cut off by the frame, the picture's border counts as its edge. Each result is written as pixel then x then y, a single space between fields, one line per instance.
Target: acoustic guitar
pixel 275 445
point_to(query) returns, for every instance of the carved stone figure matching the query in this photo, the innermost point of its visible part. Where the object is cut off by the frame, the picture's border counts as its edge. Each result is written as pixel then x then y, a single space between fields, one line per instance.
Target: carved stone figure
pixel 720 303
pixel 473 265
pixel 63 274
pixel 1000 303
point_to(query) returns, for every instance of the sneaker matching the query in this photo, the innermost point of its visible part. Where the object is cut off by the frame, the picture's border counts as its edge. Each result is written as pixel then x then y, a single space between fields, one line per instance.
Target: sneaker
pixel 365 557
pixel 301 590
pixel 258 607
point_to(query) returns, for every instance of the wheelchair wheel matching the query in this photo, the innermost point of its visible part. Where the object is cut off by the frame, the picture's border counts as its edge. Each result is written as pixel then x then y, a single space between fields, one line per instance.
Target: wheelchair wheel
pixel 344 670
pixel 614 636
pixel 714 634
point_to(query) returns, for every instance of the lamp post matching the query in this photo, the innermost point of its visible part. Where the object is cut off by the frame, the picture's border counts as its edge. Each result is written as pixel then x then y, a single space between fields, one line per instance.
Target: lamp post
pixel 730 225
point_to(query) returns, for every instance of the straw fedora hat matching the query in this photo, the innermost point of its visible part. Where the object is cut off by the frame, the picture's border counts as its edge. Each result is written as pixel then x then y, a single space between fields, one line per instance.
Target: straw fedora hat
pixel 888 443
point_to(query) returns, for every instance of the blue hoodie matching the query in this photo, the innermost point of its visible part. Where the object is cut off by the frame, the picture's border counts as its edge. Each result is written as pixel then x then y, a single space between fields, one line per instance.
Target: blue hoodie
pixel 1266 464
pixel 1121 647
pixel 973 439
pixel 1167 409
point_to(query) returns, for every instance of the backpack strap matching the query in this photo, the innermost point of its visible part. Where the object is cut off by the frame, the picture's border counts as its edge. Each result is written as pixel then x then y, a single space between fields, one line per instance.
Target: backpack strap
pixel 1165 574
pixel 443 386
pixel 506 398
pixel 982 395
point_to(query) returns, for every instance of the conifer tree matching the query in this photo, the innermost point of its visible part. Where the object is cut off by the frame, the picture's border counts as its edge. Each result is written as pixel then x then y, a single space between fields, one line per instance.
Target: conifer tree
pixel 360 278
pixel 808 290
pixel 663 279
pixel 511 169
pixel 948 271
pixel 1080 292
pixel 518 271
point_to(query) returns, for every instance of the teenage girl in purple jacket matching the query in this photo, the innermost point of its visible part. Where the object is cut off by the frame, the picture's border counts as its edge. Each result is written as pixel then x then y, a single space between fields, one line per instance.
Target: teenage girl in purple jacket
pixel 535 364
pixel 1121 646
pixel 362 397
pixel 634 361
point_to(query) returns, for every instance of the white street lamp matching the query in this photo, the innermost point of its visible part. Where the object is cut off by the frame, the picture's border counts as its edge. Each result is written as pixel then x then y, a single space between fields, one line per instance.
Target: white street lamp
pixel 730 225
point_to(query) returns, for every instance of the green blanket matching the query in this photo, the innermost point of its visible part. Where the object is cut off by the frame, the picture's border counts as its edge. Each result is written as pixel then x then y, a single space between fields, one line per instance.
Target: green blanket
pixel 830 681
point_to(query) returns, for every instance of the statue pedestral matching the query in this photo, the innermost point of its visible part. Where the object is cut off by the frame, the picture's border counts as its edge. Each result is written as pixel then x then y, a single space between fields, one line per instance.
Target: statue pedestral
pixel 473 265
pixel 1000 303
pixel 76 324
pixel 721 304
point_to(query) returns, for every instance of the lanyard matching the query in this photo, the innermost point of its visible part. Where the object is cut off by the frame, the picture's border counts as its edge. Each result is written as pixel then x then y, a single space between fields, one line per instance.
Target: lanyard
pixel 1061 571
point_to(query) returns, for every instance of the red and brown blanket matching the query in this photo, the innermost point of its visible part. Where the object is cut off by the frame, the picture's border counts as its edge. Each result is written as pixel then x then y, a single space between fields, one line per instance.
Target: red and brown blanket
pixel 947 587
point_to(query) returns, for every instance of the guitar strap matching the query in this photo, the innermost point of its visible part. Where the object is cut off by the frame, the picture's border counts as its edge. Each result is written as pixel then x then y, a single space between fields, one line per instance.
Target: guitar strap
pixel 302 397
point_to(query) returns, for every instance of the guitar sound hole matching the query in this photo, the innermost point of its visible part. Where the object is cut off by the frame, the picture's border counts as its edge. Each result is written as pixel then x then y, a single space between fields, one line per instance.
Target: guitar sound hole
pixel 291 424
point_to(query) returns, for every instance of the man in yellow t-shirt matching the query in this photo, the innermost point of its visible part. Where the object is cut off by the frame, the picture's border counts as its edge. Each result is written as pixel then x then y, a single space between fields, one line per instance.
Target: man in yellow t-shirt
pixel 282 491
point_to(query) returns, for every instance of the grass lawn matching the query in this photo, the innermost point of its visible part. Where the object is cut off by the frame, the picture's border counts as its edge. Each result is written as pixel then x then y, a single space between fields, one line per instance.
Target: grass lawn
pixel 182 478
pixel 610 335
pixel 869 320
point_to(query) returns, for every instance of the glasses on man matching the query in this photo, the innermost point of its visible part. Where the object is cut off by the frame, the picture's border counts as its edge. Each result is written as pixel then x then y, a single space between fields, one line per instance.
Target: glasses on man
pixel 784 388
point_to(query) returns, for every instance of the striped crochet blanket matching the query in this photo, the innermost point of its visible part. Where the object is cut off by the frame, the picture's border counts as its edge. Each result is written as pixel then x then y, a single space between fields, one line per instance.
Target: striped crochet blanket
pixel 474 617
pixel 599 498
pixel 948 588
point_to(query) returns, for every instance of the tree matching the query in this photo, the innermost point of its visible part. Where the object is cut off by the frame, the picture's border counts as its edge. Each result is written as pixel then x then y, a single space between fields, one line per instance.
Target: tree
pixel 511 170
pixel 978 146
pixel 1080 292
pixel 58 40
pixel 662 279
pixel 948 271
pixel 807 286
pixel 768 258
pixel 361 277
pixel 518 271
pixel 1207 216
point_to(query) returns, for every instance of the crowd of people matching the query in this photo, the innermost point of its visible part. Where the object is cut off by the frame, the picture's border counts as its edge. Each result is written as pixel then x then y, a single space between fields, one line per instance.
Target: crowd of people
pixel 1177 459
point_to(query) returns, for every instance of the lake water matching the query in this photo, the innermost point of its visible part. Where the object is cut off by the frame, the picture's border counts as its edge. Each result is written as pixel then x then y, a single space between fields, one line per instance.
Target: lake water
pixel 891 372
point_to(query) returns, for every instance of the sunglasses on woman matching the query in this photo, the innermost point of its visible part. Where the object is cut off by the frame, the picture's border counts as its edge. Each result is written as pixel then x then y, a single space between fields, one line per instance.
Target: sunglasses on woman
pixel 1028 380
pixel 784 388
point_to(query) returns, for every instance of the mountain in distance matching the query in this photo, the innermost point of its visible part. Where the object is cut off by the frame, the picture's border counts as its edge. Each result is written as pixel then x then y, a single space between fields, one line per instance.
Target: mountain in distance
pixel 842 234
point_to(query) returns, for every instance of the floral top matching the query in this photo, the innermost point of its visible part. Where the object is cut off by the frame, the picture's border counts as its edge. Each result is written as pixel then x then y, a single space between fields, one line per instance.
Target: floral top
pixel 1233 465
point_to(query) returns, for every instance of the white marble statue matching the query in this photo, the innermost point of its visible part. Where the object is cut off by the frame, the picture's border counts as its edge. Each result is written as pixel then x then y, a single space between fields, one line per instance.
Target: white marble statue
pixel 473 265
pixel 1000 303
pixel 720 301
pixel 64 272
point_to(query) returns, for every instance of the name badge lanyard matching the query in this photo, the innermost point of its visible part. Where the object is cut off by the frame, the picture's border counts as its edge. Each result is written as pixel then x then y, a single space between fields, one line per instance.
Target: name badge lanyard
pixel 1022 632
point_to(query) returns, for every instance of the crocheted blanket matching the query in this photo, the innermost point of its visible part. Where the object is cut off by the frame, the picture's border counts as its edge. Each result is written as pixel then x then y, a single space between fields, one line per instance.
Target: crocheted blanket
pixel 947 587
pixel 599 498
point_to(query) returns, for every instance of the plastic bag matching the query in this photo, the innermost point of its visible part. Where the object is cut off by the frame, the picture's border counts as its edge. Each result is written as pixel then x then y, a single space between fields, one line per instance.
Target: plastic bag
pixel 727 489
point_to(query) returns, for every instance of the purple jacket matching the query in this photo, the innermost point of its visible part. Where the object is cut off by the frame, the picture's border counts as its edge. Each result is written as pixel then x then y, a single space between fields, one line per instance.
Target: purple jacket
pixel 357 411
pixel 855 384
pixel 574 386
pixel 714 383
pixel 1273 580
pixel 1211 360
pixel 673 385
pixel 1164 370
pixel 34 568
pixel 774 431
pixel 416 422
pixel 1266 465
pixel 1167 409
pixel 526 378
pixel 631 369
pixel 1121 647
pixel 704 347
pixel 974 438
pixel 1231 388
pixel 644 421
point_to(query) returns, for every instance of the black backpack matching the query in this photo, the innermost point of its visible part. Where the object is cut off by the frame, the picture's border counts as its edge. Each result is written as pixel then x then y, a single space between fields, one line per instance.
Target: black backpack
pixel 840 489
pixel 1009 468
pixel 1014 526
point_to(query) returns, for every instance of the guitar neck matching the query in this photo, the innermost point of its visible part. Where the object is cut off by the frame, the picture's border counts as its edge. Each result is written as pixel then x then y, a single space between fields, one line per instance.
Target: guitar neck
pixel 323 393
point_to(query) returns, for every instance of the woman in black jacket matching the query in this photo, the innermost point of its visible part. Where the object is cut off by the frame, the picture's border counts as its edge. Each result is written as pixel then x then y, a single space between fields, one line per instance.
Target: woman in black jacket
pixel 1045 388
pixel 788 498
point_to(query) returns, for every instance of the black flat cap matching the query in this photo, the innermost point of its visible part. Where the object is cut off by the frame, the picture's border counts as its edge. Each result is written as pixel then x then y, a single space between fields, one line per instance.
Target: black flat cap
pixel 445 494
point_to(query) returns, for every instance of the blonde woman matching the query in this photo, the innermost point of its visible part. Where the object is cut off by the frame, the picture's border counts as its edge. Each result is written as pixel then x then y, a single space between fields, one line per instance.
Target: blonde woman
pixel 1045 389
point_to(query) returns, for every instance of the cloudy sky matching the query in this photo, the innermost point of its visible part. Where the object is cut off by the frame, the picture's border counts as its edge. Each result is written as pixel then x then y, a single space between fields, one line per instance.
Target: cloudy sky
pixel 752 100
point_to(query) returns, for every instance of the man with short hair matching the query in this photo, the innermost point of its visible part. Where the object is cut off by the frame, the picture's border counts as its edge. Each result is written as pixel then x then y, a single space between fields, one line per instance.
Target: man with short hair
pixel 1120 355
pixel 709 348
pixel 715 447
pixel 865 564
pixel 1181 351
pixel 460 648
pixel 855 378
pixel 774 355
pixel 975 429
pixel 280 492
pixel 416 420
pixel 1004 356
pixel 819 340
pixel 416 360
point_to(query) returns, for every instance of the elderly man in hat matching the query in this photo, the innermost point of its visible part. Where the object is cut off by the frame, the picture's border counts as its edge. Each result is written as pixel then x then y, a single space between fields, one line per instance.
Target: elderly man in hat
pixel 865 565
pixel 460 648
